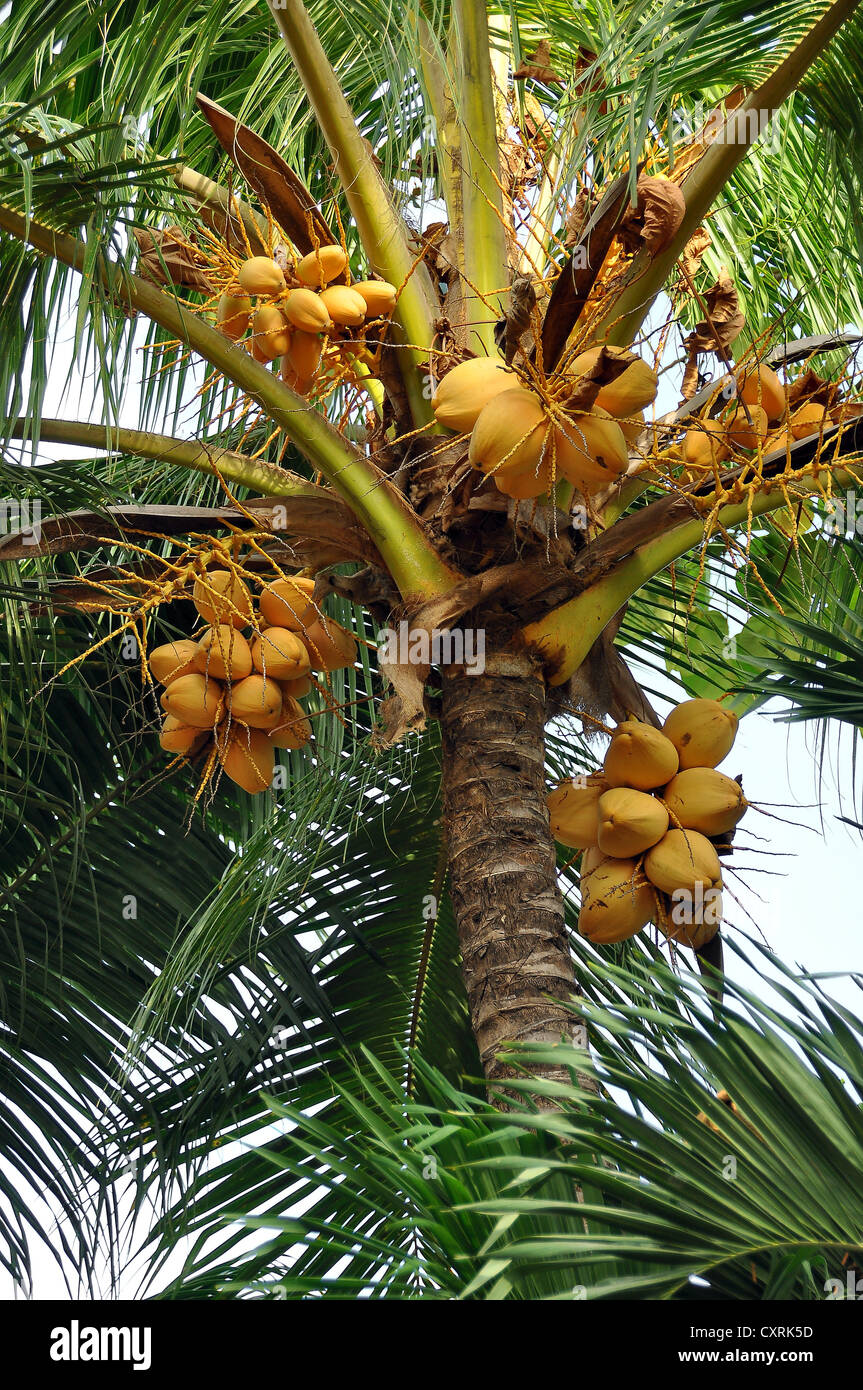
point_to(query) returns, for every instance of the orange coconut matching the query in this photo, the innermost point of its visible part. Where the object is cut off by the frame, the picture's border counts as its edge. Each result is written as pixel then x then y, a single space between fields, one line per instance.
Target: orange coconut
pixel 467 388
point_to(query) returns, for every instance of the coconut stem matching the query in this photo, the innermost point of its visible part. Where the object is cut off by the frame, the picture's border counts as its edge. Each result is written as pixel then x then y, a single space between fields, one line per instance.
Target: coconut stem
pixel 565 635
pixel 517 967
pixel 710 174
pixel 381 229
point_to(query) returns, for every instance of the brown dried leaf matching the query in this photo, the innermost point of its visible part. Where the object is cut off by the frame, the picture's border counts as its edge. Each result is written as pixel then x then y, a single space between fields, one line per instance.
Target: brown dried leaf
pixel 518 316
pixel 272 179
pixel 690 378
pixel 812 388
pixel 438 250
pixel 579 215
pixel 317 522
pixel 611 363
pixel 658 213
pixel 577 278
pixel 536 65
pixel 520 170
pixel 168 257
pixel 694 250
pixel 716 335
pixel 726 318
pixel 404 712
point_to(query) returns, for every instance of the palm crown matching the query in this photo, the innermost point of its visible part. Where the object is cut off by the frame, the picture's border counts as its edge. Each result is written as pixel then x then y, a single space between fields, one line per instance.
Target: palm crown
pixel 555 192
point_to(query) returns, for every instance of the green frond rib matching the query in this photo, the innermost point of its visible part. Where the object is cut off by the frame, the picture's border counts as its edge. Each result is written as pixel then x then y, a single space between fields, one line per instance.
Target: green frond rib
pixel 381 230
pixel 384 512
pixel 565 636
pixel 257 474
pixel 712 172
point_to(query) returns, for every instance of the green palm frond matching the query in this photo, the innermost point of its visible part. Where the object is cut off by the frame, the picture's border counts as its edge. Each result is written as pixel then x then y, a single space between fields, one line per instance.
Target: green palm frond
pixel 176 985
pixel 95 145
pixel 595 1198
pixel 147 961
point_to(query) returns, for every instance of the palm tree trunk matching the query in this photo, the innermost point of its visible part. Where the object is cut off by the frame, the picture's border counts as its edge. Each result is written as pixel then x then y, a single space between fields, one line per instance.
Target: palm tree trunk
pixel 517 965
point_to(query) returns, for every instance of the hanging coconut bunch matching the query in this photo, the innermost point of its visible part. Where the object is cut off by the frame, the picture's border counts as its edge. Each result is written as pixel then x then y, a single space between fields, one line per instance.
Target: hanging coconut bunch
pixel 524 431
pixel 651 825
pixel 233 690
pixel 765 415
pixel 292 314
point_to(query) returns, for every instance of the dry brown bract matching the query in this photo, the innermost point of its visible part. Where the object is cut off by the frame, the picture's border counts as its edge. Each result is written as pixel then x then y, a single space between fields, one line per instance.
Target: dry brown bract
pixel 654 220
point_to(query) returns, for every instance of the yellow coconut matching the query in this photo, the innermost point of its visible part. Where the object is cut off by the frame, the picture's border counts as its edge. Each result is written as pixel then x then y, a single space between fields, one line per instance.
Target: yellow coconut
pixel 321 266
pixel 521 486
pixel 809 419
pixel 778 441
pixel 307 310
pixel 223 652
pixel 344 305
pixel 702 731
pixel 700 798
pixel 590 450
pixel 256 701
pixel 234 315
pixel 293 730
pixel 510 433
pixel 223 598
pixel 846 410
pixel 467 388
pixel 279 652
pixel 616 901
pixel 573 811
pixel 697 933
pixel 177 737
pixel 591 858
pixel 683 860
pixel 761 386
pixel 632 427
pixel 705 444
pixel 173 659
pixel 297 688
pixel 629 822
pixel 639 756
pixel 260 275
pixel 380 296
pixel 288 603
pixel 248 758
pixel 634 389
pixel 747 427
pixel 291 377
pixel 195 699
pixel 330 647
pixel 258 350
pixel 271 334
pixel 304 354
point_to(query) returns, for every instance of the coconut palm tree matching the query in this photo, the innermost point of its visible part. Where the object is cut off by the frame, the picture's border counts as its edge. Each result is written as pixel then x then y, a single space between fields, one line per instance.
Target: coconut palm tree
pixel 388 920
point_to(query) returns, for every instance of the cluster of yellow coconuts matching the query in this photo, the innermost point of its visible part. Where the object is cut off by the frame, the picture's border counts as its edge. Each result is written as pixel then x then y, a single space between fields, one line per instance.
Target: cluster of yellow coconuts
pixel 759 417
pixel 289 320
pixel 236 686
pixel 527 440
pixel 647 825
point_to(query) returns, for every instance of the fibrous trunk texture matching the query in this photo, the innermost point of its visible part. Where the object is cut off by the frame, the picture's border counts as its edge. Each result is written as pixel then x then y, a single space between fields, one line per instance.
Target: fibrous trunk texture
pixel 503 882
